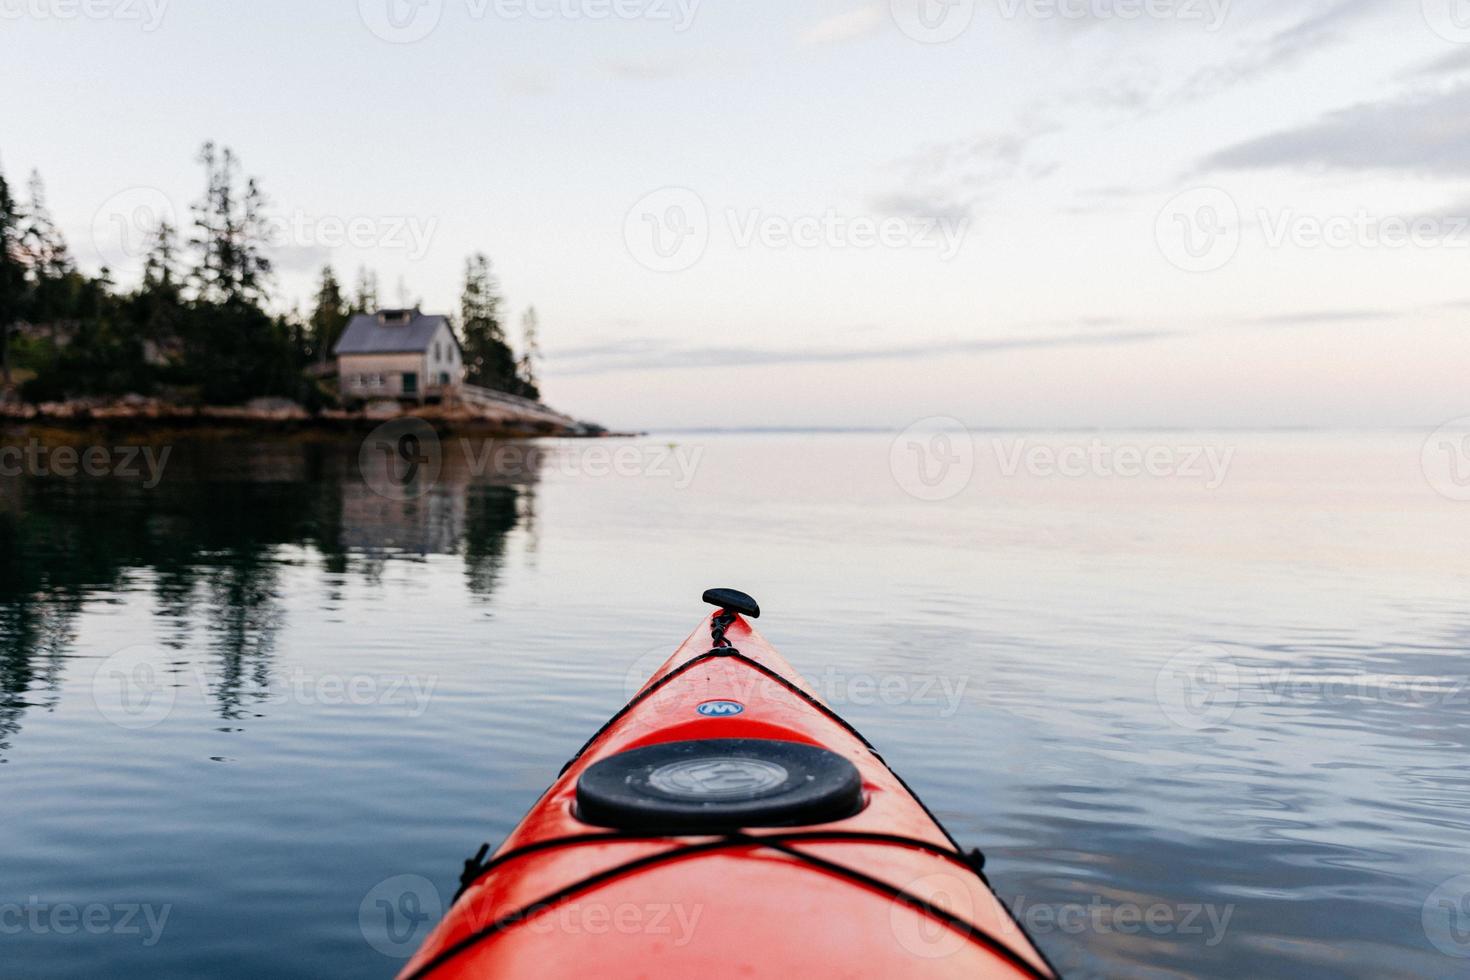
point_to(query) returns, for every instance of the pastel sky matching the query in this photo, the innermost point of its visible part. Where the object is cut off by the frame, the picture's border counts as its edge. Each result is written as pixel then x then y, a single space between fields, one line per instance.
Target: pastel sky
pixel 831 212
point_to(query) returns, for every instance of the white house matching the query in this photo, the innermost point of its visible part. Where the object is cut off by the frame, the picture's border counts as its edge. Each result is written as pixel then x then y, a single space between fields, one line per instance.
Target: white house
pixel 399 354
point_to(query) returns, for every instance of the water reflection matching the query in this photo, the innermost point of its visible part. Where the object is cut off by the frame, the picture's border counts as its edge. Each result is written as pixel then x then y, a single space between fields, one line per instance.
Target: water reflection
pixel 214 537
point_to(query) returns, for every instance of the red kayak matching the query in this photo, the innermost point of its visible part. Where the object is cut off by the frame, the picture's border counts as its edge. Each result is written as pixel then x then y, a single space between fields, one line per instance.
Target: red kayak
pixel 726 823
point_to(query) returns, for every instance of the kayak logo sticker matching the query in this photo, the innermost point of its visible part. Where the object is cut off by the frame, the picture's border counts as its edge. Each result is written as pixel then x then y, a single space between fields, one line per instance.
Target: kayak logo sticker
pixel 720 709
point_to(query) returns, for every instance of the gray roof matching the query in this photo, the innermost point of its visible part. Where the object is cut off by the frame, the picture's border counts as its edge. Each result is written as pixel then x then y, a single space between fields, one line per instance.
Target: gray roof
pixel 367 334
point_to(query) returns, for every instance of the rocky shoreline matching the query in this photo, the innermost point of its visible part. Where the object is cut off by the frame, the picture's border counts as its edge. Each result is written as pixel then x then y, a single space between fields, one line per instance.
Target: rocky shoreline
pixel 273 414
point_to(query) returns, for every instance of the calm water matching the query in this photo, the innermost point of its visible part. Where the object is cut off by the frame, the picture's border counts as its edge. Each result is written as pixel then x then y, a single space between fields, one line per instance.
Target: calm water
pixel 1200 730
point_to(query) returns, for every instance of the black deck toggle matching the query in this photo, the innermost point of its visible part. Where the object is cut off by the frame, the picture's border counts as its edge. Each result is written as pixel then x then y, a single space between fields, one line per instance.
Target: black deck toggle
pixel 732 600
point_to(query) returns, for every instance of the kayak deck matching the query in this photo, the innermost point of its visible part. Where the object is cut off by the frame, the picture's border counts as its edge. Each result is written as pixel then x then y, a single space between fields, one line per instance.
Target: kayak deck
pixel 883 892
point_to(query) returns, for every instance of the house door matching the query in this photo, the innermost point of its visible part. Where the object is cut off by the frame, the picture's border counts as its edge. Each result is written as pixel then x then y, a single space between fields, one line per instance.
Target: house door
pixel 411 383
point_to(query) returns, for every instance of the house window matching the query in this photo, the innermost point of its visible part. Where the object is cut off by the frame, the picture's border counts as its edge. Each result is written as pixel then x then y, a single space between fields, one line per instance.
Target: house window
pixel 436 351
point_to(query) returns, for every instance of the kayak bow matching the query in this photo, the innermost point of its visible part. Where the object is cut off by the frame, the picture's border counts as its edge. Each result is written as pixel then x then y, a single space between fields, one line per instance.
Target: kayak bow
pixel 727 823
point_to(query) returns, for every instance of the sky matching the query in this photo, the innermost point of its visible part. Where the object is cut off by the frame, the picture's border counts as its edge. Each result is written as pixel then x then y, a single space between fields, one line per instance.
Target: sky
pixel 1039 213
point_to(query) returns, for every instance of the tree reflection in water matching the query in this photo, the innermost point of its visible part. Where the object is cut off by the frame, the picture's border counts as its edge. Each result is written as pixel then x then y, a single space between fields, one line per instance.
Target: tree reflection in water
pixel 210 543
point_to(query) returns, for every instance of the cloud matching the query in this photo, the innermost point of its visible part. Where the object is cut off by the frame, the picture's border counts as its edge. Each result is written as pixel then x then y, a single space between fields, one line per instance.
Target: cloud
pixel 299 258
pixel 648 69
pixel 1319 316
pixel 1283 49
pixel 529 82
pixel 850 25
pixel 1137 86
pixel 1451 64
pixel 948 178
pixel 651 354
pixel 912 205
pixel 1427 134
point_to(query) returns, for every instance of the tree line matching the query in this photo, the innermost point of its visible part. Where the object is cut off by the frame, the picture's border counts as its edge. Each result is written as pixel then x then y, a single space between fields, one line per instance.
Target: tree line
pixel 197 327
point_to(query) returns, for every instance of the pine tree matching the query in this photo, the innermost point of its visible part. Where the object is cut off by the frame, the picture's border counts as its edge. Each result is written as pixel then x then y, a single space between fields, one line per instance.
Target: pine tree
pixel 160 265
pixel 53 280
pixel 488 359
pixel 44 247
pixel 229 233
pixel 157 307
pixel 365 296
pixel 329 318
pixel 12 275
pixel 530 354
